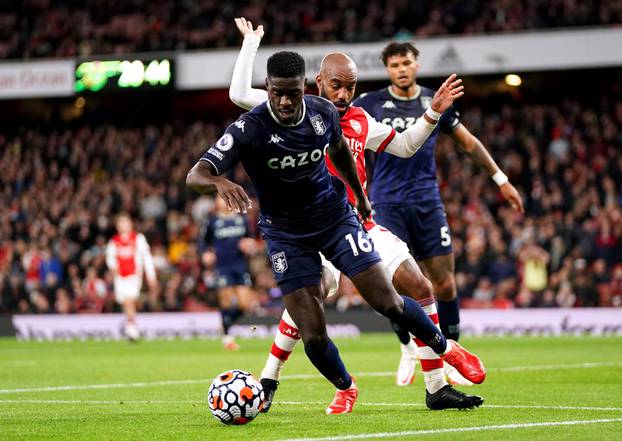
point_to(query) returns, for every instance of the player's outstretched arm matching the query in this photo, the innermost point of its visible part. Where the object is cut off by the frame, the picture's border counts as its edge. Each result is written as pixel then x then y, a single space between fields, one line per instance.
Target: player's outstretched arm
pixel 407 143
pixel 478 153
pixel 240 91
pixel 203 179
pixel 341 156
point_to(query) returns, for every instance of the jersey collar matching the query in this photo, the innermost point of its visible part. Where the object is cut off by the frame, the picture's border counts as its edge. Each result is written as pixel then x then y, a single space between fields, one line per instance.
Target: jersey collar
pixel 302 117
pixel 403 98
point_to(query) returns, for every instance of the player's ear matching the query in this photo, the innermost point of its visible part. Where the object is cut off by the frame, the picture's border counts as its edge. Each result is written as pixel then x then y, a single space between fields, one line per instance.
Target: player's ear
pixel 318 81
pixel 305 83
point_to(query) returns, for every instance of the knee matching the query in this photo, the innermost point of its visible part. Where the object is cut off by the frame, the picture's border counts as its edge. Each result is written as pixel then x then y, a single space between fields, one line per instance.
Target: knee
pixel 420 288
pixel 315 340
pixel 445 287
pixel 391 307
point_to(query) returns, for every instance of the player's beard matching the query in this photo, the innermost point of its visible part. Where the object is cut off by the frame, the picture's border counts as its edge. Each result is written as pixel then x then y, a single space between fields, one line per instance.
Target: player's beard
pixel 405 87
pixel 343 104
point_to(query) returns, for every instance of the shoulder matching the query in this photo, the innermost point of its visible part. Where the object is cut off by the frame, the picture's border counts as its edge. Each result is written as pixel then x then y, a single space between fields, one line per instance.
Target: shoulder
pixel 370 97
pixel 357 113
pixel 248 128
pixel 319 104
pixel 426 91
pixel 325 109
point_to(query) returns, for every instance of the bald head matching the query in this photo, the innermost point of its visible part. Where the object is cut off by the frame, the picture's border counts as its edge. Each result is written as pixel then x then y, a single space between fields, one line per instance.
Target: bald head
pixel 338 63
pixel 336 80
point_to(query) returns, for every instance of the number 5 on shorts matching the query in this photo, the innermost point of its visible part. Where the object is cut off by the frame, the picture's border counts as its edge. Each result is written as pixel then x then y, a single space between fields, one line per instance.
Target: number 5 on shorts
pixel 364 243
pixel 445 237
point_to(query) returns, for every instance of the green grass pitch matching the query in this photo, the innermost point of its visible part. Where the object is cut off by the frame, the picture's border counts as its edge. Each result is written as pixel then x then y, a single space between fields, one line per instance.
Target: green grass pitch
pixel 537 389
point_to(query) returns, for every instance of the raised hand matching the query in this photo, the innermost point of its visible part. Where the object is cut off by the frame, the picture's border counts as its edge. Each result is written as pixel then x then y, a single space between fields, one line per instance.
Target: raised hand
pixel 450 90
pixel 246 27
pixel 510 193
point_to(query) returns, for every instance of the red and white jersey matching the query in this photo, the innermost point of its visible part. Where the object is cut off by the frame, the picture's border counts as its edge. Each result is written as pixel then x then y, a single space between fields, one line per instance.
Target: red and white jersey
pixel 130 255
pixel 362 132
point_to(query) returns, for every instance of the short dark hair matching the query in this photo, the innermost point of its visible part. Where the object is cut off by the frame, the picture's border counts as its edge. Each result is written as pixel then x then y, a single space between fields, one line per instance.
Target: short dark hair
pixel 395 48
pixel 286 64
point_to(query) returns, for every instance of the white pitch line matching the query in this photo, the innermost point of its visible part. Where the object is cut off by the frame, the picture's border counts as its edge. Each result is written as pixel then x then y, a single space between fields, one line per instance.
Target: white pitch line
pixel 457 429
pixel 495 406
pixel 558 366
pixel 120 402
pixel 104 386
pixel 300 403
pixel 287 377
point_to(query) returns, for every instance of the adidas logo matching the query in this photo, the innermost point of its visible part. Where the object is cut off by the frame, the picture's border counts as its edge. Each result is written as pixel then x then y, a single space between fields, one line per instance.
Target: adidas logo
pixel 388 105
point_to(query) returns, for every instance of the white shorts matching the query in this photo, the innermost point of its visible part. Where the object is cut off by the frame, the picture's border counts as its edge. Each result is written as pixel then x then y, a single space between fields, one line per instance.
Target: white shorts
pixel 127 288
pixel 393 251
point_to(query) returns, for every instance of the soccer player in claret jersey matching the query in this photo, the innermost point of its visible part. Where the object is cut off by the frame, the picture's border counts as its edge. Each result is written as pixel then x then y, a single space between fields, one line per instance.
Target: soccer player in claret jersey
pixel 405 192
pixel 304 211
pixel 336 82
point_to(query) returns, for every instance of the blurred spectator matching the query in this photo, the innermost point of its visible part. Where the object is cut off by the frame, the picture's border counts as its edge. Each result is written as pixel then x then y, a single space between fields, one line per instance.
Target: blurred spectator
pixel 41 28
pixel 60 189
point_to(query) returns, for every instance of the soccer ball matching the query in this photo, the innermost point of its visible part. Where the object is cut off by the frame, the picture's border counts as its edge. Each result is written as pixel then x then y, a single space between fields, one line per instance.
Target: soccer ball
pixel 235 397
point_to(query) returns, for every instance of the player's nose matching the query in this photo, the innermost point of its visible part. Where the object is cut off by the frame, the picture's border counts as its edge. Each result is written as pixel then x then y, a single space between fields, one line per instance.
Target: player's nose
pixel 285 101
pixel 343 94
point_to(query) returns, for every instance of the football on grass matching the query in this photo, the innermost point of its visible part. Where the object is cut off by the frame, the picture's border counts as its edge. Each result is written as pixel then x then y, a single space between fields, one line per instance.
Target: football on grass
pixel 235 397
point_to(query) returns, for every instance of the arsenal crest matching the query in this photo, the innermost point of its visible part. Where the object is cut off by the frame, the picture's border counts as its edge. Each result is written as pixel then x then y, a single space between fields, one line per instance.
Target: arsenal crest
pixel 279 262
pixel 318 124
pixel 356 126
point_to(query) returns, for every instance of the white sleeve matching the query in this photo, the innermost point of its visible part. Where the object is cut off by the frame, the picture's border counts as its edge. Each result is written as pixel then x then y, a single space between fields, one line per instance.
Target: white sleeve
pixel 145 254
pixel 240 91
pixel 407 143
pixel 378 135
pixel 111 256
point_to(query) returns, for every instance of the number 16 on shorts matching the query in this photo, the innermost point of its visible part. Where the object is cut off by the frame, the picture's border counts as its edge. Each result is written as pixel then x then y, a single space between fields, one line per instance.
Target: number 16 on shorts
pixel 364 243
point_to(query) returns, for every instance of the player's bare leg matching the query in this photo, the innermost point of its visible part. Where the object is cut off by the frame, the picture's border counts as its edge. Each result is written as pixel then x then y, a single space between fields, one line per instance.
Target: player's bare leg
pixel 129 309
pixel 376 289
pixel 305 305
pixel 408 280
pixel 441 270
pixel 286 338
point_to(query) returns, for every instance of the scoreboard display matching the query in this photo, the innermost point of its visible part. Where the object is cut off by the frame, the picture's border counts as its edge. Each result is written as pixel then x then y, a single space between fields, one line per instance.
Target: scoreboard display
pixel 124 74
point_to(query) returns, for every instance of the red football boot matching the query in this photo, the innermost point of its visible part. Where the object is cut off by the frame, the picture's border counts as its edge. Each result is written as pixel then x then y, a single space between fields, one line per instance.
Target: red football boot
pixel 344 400
pixel 469 365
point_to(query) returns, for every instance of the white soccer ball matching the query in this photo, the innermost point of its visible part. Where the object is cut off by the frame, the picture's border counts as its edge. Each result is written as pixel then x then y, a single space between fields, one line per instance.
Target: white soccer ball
pixel 235 397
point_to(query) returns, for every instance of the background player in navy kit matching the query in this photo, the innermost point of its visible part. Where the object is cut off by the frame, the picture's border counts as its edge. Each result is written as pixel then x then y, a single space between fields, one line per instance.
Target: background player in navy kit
pixel 304 211
pixel 405 193
pixel 225 243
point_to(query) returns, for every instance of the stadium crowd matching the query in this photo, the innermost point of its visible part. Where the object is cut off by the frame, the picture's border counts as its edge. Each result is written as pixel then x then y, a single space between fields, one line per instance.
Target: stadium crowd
pixel 68 28
pixel 61 188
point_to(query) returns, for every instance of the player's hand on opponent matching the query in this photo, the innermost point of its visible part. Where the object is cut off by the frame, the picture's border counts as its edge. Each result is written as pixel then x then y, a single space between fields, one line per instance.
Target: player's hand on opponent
pixel 450 90
pixel 234 195
pixel 246 27
pixel 510 193
pixel 363 206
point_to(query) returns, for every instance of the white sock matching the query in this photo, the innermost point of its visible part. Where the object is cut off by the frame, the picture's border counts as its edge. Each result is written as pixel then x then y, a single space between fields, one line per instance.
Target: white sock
pixel 284 342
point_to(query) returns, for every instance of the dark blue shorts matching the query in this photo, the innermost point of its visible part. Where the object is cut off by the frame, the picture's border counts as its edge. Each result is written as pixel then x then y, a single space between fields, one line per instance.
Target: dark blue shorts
pixel 233 277
pixel 295 254
pixel 423 226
